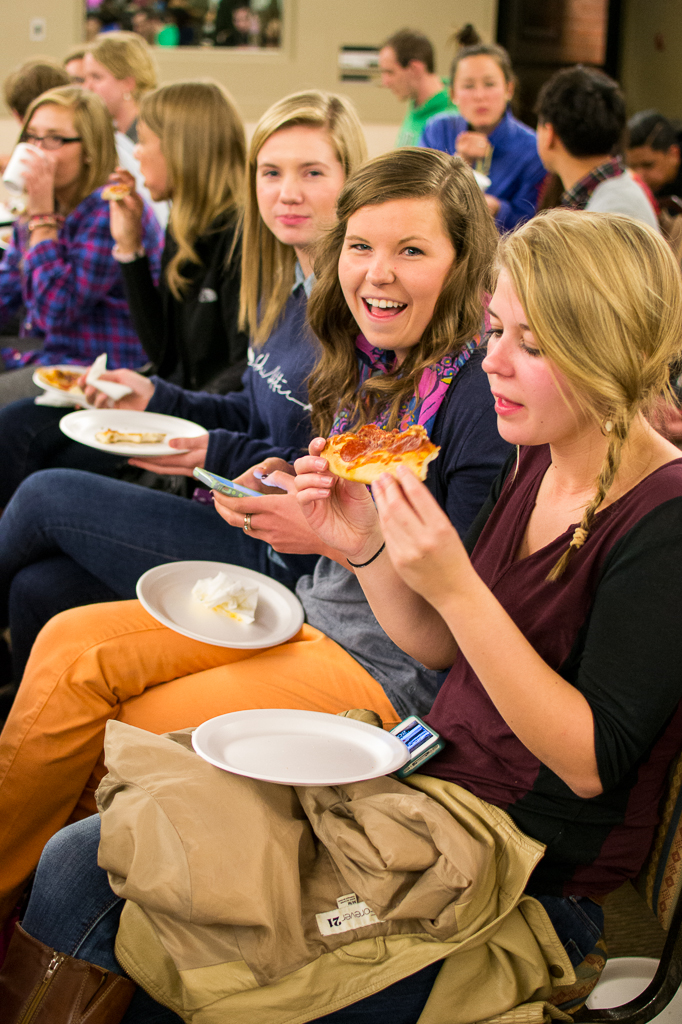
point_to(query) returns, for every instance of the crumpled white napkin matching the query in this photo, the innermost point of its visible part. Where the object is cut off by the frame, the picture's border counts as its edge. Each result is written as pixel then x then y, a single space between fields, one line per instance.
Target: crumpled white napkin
pixel 235 598
pixel 108 387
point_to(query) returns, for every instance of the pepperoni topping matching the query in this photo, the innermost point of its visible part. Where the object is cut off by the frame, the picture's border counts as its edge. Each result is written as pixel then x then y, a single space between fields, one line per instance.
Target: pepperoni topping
pixel 370 439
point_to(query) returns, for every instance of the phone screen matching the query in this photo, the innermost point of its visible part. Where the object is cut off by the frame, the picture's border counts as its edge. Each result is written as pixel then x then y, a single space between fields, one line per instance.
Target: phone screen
pixel 229 487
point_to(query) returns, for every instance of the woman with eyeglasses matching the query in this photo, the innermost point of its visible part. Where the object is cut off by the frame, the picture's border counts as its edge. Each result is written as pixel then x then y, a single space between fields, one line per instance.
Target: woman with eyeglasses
pixel 59 264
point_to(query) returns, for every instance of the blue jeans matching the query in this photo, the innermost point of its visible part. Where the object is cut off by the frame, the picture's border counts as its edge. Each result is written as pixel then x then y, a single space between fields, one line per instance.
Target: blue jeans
pixel 73 910
pixel 30 440
pixel 69 538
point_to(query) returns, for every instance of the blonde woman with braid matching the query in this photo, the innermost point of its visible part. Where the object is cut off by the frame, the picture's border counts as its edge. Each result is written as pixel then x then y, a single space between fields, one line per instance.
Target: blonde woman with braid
pixel 560 611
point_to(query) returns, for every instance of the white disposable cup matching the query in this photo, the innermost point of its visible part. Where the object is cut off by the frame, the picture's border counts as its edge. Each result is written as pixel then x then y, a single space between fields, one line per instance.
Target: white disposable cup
pixel 13 178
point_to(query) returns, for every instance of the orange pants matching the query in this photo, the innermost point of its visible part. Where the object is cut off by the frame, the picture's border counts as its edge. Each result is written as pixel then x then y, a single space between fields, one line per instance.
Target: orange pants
pixel 106 661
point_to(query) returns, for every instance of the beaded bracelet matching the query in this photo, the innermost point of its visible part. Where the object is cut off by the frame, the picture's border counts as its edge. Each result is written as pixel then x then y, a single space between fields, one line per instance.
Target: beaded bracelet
pixel 45 220
pixel 127 257
pixel 361 565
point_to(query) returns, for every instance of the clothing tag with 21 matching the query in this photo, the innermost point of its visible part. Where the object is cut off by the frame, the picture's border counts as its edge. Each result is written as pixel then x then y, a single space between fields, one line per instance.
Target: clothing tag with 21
pixel 351 914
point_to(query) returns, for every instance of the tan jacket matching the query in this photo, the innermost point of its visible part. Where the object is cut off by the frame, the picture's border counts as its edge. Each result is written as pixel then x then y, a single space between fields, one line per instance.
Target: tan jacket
pixel 240 892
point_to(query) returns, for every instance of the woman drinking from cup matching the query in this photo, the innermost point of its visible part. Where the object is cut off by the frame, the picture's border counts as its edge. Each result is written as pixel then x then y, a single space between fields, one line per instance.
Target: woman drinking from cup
pixel 59 263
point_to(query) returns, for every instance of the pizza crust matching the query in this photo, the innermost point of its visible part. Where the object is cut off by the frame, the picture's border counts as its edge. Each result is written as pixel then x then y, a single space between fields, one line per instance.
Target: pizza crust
pixel 374 451
pixel 129 437
pixel 115 191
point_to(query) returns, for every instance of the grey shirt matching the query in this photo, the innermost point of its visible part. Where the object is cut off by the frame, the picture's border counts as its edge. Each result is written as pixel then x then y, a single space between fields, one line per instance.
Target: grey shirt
pixel 623 195
pixel 471 454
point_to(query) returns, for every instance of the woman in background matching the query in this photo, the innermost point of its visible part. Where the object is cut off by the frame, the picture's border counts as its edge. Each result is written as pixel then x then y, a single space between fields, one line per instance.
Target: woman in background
pixel 486 134
pixel 302 150
pixel 120 68
pixel 59 264
pixel 191 149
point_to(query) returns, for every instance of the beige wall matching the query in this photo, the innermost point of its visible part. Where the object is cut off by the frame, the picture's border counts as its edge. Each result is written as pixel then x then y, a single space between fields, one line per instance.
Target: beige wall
pixel 63 23
pixel 314 31
pixel 651 75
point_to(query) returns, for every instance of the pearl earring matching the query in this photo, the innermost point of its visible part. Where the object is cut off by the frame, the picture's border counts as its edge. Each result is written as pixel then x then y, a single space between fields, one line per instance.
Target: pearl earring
pixel 127 96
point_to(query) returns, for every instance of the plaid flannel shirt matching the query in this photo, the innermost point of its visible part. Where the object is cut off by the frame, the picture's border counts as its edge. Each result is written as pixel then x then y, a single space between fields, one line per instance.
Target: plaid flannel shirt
pixel 578 197
pixel 72 290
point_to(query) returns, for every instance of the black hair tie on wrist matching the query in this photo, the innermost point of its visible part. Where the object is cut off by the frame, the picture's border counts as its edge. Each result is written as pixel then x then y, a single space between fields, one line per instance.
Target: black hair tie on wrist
pixel 361 565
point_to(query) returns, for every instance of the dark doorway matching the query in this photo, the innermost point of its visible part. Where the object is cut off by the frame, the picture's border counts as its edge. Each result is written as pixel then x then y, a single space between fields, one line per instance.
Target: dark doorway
pixel 544 35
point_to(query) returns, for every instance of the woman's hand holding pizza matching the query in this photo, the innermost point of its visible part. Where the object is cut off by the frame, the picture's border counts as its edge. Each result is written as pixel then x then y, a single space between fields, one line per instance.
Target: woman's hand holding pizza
pixel 125 214
pixel 423 546
pixel 340 512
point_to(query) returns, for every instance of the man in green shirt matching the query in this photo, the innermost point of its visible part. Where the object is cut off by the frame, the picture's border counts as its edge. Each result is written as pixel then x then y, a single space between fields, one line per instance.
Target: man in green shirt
pixel 407 69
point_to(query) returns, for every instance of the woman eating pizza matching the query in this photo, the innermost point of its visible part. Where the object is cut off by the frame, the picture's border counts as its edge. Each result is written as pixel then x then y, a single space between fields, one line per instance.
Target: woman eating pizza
pixel 436 237
pixel 556 710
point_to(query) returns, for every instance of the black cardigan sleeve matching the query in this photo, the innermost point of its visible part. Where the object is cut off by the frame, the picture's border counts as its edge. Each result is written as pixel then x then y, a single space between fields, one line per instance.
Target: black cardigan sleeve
pixel 146 305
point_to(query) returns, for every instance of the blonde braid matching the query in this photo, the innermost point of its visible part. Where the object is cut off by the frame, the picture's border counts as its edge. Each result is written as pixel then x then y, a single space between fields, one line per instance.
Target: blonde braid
pixel 607 474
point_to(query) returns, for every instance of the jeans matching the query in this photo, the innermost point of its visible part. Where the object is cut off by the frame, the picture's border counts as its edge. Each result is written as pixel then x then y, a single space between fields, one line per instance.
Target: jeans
pixel 30 440
pixel 69 538
pixel 73 910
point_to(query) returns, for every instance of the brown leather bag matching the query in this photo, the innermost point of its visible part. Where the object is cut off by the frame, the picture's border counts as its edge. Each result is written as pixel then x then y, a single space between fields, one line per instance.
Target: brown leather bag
pixel 39 985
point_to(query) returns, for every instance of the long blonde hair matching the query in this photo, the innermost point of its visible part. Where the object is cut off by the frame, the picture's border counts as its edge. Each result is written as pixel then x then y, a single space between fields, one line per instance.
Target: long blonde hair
pixel 602 294
pixel 92 122
pixel 126 55
pixel 203 143
pixel 267 263
pixel 457 317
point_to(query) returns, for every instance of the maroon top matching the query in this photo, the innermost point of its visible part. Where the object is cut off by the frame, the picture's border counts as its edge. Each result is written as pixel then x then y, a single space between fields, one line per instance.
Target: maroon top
pixel 610 626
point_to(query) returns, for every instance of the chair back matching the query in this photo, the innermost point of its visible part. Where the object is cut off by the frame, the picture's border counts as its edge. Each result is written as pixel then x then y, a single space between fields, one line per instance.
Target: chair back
pixel 659 883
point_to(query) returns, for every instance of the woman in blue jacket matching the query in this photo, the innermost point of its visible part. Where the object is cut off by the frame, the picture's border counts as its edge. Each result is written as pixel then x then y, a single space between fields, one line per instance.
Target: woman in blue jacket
pixel 487 135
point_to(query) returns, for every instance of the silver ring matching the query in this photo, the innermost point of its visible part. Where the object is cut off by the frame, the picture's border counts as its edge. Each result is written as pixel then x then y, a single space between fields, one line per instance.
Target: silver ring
pixel 247 523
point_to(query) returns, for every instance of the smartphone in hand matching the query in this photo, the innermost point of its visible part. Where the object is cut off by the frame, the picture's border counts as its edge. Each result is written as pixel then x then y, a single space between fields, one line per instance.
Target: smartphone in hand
pixel 229 487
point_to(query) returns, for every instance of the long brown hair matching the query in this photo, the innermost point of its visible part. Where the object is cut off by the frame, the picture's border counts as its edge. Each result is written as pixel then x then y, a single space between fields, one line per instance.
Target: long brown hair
pixel 602 294
pixel 202 140
pixel 268 264
pixel 403 174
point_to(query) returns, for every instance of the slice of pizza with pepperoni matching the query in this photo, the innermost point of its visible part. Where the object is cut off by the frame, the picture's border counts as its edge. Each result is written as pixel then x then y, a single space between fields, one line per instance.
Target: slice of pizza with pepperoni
pixel 371 451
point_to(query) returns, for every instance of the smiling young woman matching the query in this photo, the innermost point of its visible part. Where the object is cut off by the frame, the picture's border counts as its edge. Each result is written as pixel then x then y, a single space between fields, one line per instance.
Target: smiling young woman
pixel 391 281
pixel 341 658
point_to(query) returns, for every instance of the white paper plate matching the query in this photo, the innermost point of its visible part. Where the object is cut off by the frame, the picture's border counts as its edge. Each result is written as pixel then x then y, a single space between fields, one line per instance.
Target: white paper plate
pixel 626 977
pixel 166 592
pixel 82 426
pixel 67 396
pixel 298 748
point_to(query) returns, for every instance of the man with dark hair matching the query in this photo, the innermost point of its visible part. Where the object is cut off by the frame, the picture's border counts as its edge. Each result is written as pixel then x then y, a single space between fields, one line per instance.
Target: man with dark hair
pixel 654 152
pixel 581 123
pixel 407 69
